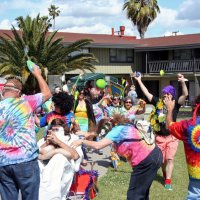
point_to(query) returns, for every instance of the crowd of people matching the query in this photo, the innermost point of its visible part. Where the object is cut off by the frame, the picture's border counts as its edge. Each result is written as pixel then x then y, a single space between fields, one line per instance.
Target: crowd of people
pixel 89 117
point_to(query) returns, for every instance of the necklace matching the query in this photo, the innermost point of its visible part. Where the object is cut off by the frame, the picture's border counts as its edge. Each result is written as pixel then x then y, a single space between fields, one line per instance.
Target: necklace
pixel 158 116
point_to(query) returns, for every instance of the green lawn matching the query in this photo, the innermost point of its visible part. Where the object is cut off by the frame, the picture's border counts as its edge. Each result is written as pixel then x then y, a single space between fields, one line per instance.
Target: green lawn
pixel 114 185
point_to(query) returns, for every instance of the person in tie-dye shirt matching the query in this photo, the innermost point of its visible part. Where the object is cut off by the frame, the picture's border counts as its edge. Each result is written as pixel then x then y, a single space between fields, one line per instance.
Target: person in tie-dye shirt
pixel 128 141
pixel 19 168
pixel 189 132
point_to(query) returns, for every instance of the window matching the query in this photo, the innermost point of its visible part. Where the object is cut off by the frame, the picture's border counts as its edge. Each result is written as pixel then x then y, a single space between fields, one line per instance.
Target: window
pixel 183 54
pixel 121 55
pixel 75 53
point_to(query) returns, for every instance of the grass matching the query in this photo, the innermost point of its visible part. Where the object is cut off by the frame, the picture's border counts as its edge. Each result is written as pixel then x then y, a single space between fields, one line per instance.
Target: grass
pixel 114 185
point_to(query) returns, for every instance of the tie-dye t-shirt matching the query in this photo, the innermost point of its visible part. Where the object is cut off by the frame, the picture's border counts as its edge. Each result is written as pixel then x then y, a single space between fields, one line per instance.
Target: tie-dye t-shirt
pixel 133 151
pixel 48 118
pixel 190 135
pixel 17 129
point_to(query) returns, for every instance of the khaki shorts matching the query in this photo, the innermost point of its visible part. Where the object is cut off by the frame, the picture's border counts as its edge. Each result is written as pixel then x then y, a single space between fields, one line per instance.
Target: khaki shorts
pixel 168 145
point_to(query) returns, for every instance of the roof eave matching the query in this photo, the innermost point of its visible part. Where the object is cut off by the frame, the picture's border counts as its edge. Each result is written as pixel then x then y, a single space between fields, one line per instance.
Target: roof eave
pixel 188 46
pixel 101 45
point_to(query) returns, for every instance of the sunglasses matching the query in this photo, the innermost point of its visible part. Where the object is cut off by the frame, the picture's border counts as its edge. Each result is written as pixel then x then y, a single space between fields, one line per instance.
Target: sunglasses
pixel 128 102
pixel 10 88
pixel 114 99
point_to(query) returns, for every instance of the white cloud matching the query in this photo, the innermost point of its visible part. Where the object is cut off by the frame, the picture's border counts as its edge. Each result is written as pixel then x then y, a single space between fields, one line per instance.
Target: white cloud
pixel 189 10
pixel 5 24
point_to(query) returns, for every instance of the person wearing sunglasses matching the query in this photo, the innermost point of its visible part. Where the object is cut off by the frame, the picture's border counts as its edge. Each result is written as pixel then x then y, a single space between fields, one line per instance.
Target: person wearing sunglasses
pixel 165 141
pixel 115 106
pixel 19 168
pixel 130 110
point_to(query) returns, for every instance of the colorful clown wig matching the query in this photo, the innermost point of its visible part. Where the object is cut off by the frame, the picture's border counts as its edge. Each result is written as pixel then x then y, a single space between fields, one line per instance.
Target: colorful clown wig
pixel 169 89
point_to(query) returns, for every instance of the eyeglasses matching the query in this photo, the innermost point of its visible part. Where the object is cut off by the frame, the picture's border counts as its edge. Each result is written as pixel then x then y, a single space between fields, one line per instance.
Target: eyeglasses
pixel 128 102
pixel 10 88
pixel 114 99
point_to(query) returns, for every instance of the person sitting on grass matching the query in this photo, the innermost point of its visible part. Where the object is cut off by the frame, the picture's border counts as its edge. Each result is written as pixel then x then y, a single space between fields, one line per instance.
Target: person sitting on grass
pixel 129 142
pixel 189 132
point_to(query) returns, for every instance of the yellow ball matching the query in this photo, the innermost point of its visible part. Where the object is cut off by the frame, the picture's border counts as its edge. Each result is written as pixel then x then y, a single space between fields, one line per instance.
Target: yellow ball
pixel 162 72
pixel 101 83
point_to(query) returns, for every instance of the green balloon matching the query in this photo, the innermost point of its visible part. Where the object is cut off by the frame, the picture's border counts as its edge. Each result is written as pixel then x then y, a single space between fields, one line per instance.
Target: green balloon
pixel 101 83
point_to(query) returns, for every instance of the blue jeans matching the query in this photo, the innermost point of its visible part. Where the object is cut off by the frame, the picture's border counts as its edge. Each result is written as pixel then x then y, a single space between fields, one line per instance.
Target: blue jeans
pixel 143 175
pixel 24 176
pixel 193 190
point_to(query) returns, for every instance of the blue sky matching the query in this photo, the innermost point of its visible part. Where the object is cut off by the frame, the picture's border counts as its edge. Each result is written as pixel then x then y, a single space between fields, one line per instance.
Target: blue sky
pixel 99 16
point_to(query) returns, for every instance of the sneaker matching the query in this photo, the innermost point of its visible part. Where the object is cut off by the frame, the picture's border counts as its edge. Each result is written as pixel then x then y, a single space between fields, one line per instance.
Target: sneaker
pixel 168 186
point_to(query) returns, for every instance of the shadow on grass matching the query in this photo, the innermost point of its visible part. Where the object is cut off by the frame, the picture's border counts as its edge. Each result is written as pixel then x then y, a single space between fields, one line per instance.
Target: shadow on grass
pixel 159 179
pixel 123 171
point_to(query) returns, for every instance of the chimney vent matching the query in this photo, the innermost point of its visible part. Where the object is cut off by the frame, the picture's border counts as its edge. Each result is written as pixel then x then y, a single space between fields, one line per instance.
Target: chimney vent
pixel 113 31
pixel 122 29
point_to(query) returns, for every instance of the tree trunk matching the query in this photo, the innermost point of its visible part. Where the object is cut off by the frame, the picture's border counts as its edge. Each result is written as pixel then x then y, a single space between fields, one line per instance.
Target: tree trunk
pixel 142 30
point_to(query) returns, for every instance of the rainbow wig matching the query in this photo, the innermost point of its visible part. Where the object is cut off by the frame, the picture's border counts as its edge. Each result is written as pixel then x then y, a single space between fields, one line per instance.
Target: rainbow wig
pixel 169 89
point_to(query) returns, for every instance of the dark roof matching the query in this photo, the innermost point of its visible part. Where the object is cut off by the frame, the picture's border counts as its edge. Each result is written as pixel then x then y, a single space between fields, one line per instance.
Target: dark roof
pixel 106 41
pixel 189 40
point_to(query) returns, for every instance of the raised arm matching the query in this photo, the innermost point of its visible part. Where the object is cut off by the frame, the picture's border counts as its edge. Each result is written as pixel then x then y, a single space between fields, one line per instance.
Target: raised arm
pixel 170 106
pixel 184 95
pixel 44 88
pixel 143 88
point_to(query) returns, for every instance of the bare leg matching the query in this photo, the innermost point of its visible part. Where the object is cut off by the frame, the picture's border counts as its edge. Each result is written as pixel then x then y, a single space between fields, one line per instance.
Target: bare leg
pixel 169 168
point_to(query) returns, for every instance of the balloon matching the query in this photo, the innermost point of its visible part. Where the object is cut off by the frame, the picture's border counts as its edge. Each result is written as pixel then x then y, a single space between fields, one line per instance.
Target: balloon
pixel 162 72
pixel 101 83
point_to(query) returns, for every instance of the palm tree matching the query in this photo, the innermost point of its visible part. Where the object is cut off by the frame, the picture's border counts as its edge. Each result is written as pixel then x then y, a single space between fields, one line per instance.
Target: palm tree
pixel 141 13
pixel 34 42
pixel 54 12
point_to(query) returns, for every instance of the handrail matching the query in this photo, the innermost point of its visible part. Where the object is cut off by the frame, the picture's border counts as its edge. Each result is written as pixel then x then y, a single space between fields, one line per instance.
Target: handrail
pixel 174 66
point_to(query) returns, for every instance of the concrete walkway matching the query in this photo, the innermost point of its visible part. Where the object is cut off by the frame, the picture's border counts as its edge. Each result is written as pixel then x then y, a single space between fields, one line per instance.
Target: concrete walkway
pixel 99 162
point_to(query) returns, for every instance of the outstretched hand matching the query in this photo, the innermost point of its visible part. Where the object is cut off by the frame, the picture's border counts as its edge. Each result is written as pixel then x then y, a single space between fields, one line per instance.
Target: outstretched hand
pixel 76 143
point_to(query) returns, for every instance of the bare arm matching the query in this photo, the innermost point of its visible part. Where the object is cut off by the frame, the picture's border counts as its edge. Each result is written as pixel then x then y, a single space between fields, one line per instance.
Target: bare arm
pixel 143 88
pixel 170 106
pixel 44 88
pixel 52 138
pixel 184 95
pixel 92 144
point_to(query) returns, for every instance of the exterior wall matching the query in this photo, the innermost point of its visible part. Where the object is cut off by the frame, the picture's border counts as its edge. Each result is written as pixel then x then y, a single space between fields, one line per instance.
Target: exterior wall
pixel 102 55
pixel 104 65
